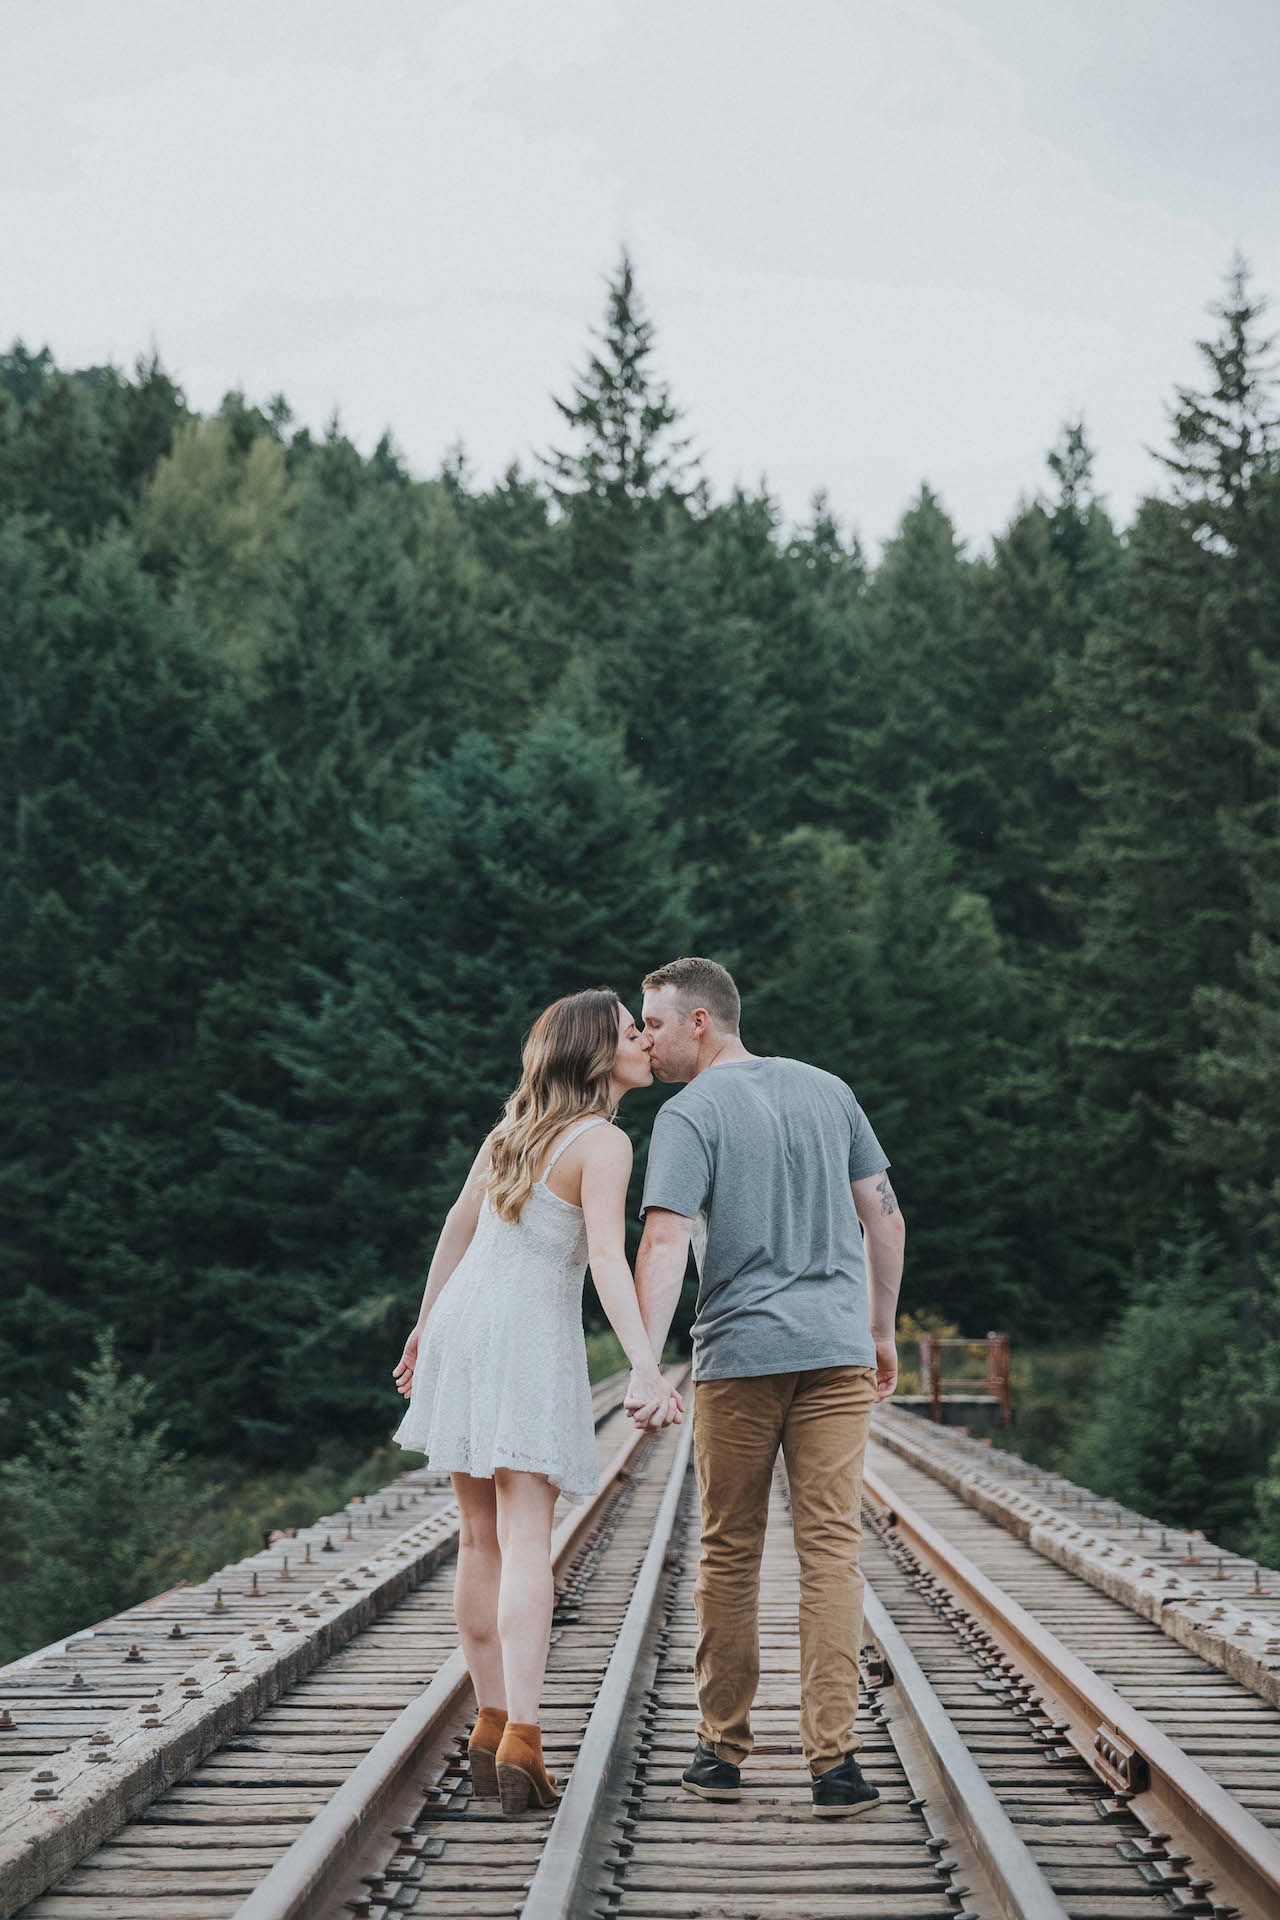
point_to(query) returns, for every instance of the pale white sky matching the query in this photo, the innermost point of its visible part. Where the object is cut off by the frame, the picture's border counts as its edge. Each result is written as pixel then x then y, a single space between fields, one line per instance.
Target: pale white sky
pixel 883 241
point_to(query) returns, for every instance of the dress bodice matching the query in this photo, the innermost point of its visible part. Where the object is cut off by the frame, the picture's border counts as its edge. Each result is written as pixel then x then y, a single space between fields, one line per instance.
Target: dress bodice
pixel 550 1237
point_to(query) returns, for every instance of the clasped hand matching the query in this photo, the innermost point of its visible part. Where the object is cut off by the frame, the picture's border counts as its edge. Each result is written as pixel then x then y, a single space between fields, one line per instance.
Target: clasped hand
pixel 652 1404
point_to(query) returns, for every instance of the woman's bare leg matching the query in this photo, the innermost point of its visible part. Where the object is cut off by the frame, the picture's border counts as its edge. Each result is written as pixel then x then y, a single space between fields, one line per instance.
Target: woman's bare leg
pixel 526 1502
pixel 475 1587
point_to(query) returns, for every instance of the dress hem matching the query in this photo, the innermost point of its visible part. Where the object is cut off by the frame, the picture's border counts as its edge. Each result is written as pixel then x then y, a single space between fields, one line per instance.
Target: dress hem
pixel 496 1459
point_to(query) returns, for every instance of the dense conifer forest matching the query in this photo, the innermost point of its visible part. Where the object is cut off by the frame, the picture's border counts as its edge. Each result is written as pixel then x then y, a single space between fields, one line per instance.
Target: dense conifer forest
pixel 320 780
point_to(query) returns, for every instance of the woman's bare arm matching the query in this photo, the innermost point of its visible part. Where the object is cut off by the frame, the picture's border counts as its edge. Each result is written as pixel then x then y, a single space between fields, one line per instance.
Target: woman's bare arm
pixel 605 1173
pixel 455 1238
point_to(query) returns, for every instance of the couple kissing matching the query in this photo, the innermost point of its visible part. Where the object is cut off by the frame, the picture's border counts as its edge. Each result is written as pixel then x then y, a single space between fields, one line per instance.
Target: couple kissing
pixel 769 1168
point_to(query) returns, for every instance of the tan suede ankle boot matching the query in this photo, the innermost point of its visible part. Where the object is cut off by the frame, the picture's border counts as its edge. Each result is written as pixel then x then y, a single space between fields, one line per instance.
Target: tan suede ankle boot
pixel 481 1748
pixel 523 1780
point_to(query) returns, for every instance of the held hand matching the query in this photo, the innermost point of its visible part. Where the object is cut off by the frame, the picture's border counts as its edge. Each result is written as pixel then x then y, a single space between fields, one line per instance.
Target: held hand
pixel 408 1360
pixel 886 1367
pixel 650 1402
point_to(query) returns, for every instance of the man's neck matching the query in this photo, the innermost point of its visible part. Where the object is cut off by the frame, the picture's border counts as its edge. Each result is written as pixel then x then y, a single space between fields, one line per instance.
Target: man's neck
pixel 719 1050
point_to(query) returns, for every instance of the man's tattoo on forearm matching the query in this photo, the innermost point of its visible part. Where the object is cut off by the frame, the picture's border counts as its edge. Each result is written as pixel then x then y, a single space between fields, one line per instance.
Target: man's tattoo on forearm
pixel 888 1199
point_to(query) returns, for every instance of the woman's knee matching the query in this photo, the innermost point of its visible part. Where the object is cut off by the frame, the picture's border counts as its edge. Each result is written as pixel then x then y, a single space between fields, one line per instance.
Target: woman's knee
pixel 477 1513
pixel 525 1505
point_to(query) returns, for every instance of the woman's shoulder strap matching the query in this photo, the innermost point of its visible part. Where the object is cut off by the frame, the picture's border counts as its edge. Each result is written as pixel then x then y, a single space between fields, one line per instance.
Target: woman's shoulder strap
pixel 567 1138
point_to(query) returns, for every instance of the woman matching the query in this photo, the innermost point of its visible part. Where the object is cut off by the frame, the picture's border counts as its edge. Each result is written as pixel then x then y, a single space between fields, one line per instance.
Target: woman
pixel 496 1368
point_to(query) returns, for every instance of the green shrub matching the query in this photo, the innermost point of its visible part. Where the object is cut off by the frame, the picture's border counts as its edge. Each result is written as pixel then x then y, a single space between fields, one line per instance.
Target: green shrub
pixel 90 1513
pixel 1184 1412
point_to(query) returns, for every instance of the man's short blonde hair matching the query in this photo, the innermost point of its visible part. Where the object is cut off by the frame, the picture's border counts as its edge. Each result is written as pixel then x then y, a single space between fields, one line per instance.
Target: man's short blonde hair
pixel 700 983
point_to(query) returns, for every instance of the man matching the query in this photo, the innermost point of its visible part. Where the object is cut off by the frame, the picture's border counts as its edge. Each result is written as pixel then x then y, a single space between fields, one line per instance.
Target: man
pixel 770 1165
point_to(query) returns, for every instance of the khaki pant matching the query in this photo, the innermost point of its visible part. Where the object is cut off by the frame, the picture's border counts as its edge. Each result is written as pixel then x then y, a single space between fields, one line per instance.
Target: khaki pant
pixel 820 1418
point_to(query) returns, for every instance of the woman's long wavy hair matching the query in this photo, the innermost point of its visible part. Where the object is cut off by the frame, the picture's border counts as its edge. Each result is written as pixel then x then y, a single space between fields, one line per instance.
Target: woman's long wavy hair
pixel 568 1058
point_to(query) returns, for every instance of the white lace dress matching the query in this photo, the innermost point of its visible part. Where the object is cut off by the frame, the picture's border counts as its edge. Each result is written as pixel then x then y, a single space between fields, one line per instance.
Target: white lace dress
pixel 501 1378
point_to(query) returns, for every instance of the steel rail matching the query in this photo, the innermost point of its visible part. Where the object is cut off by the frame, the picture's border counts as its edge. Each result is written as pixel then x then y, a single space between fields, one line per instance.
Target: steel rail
pixel 1139 1764
pixel 1017 1885
pixel 305 1879
pixel 566 1852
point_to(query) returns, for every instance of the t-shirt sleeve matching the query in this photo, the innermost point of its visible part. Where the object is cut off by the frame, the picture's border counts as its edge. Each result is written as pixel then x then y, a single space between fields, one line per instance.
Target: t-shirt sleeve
pixel 678 1173
pixel 866 1155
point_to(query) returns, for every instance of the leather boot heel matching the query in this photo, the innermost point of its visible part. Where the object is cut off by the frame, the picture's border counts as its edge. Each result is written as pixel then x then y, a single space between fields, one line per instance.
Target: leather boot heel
pixel 481 1749
pixel 515 1788
pixel 523 1780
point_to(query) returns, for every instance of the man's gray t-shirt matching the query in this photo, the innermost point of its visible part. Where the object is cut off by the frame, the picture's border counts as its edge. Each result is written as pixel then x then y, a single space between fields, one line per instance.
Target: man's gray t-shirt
pixel 759 1154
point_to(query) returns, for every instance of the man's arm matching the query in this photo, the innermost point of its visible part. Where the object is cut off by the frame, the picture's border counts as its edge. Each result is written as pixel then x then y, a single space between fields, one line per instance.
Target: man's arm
pixel 660 1267
pixel 884 1236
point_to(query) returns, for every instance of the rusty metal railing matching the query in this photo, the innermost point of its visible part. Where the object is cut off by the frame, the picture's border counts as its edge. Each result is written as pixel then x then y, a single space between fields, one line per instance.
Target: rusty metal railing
pixel 996 1349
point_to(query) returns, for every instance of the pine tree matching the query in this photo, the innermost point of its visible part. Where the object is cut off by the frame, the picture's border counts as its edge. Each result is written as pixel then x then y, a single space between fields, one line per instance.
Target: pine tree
pixel 687 682
pixel 1053 576
pixel 1229 1123
pixel 215 525
pixel 923 713
pixel 501 888
pixel 1161 706
pixel 1182 1423
pixel 628 461
pixel 112 1505
pixel 893 976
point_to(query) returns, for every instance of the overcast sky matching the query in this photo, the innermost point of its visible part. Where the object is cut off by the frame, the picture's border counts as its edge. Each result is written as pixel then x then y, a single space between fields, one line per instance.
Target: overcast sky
pixel 883 241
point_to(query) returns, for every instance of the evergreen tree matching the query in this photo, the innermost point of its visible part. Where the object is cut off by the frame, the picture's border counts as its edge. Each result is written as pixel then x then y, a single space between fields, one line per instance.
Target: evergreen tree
pixel 893 976
pixel 111 1504
pixel 502 888
pixel 217 524
pixel 688 682
pixel 1182 1422
pixel 824 669
pixel 1229 1123
pixel 1053 576
pixel 1161 707
pixel 628 460
pixel 923 716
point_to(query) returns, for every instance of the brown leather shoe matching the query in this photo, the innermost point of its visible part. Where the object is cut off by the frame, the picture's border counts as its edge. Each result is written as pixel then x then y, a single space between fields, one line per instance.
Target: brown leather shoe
pixel 481 1748
pixel 523 1780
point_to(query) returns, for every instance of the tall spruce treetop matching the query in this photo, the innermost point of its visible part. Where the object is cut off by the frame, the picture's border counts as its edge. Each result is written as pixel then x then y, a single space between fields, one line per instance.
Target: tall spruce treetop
pixel 1223 437
pixel 628 460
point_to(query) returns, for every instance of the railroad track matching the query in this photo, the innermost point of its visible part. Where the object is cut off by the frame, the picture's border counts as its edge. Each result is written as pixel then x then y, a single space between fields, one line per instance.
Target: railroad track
pixel 1034 1758
pixel 1177 1742
pixel 143 1731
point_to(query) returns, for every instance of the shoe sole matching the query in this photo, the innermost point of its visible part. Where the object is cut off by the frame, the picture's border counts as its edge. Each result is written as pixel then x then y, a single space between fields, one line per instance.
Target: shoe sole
pixel 849 1812
pixel 712 1793
pixel 484 1774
